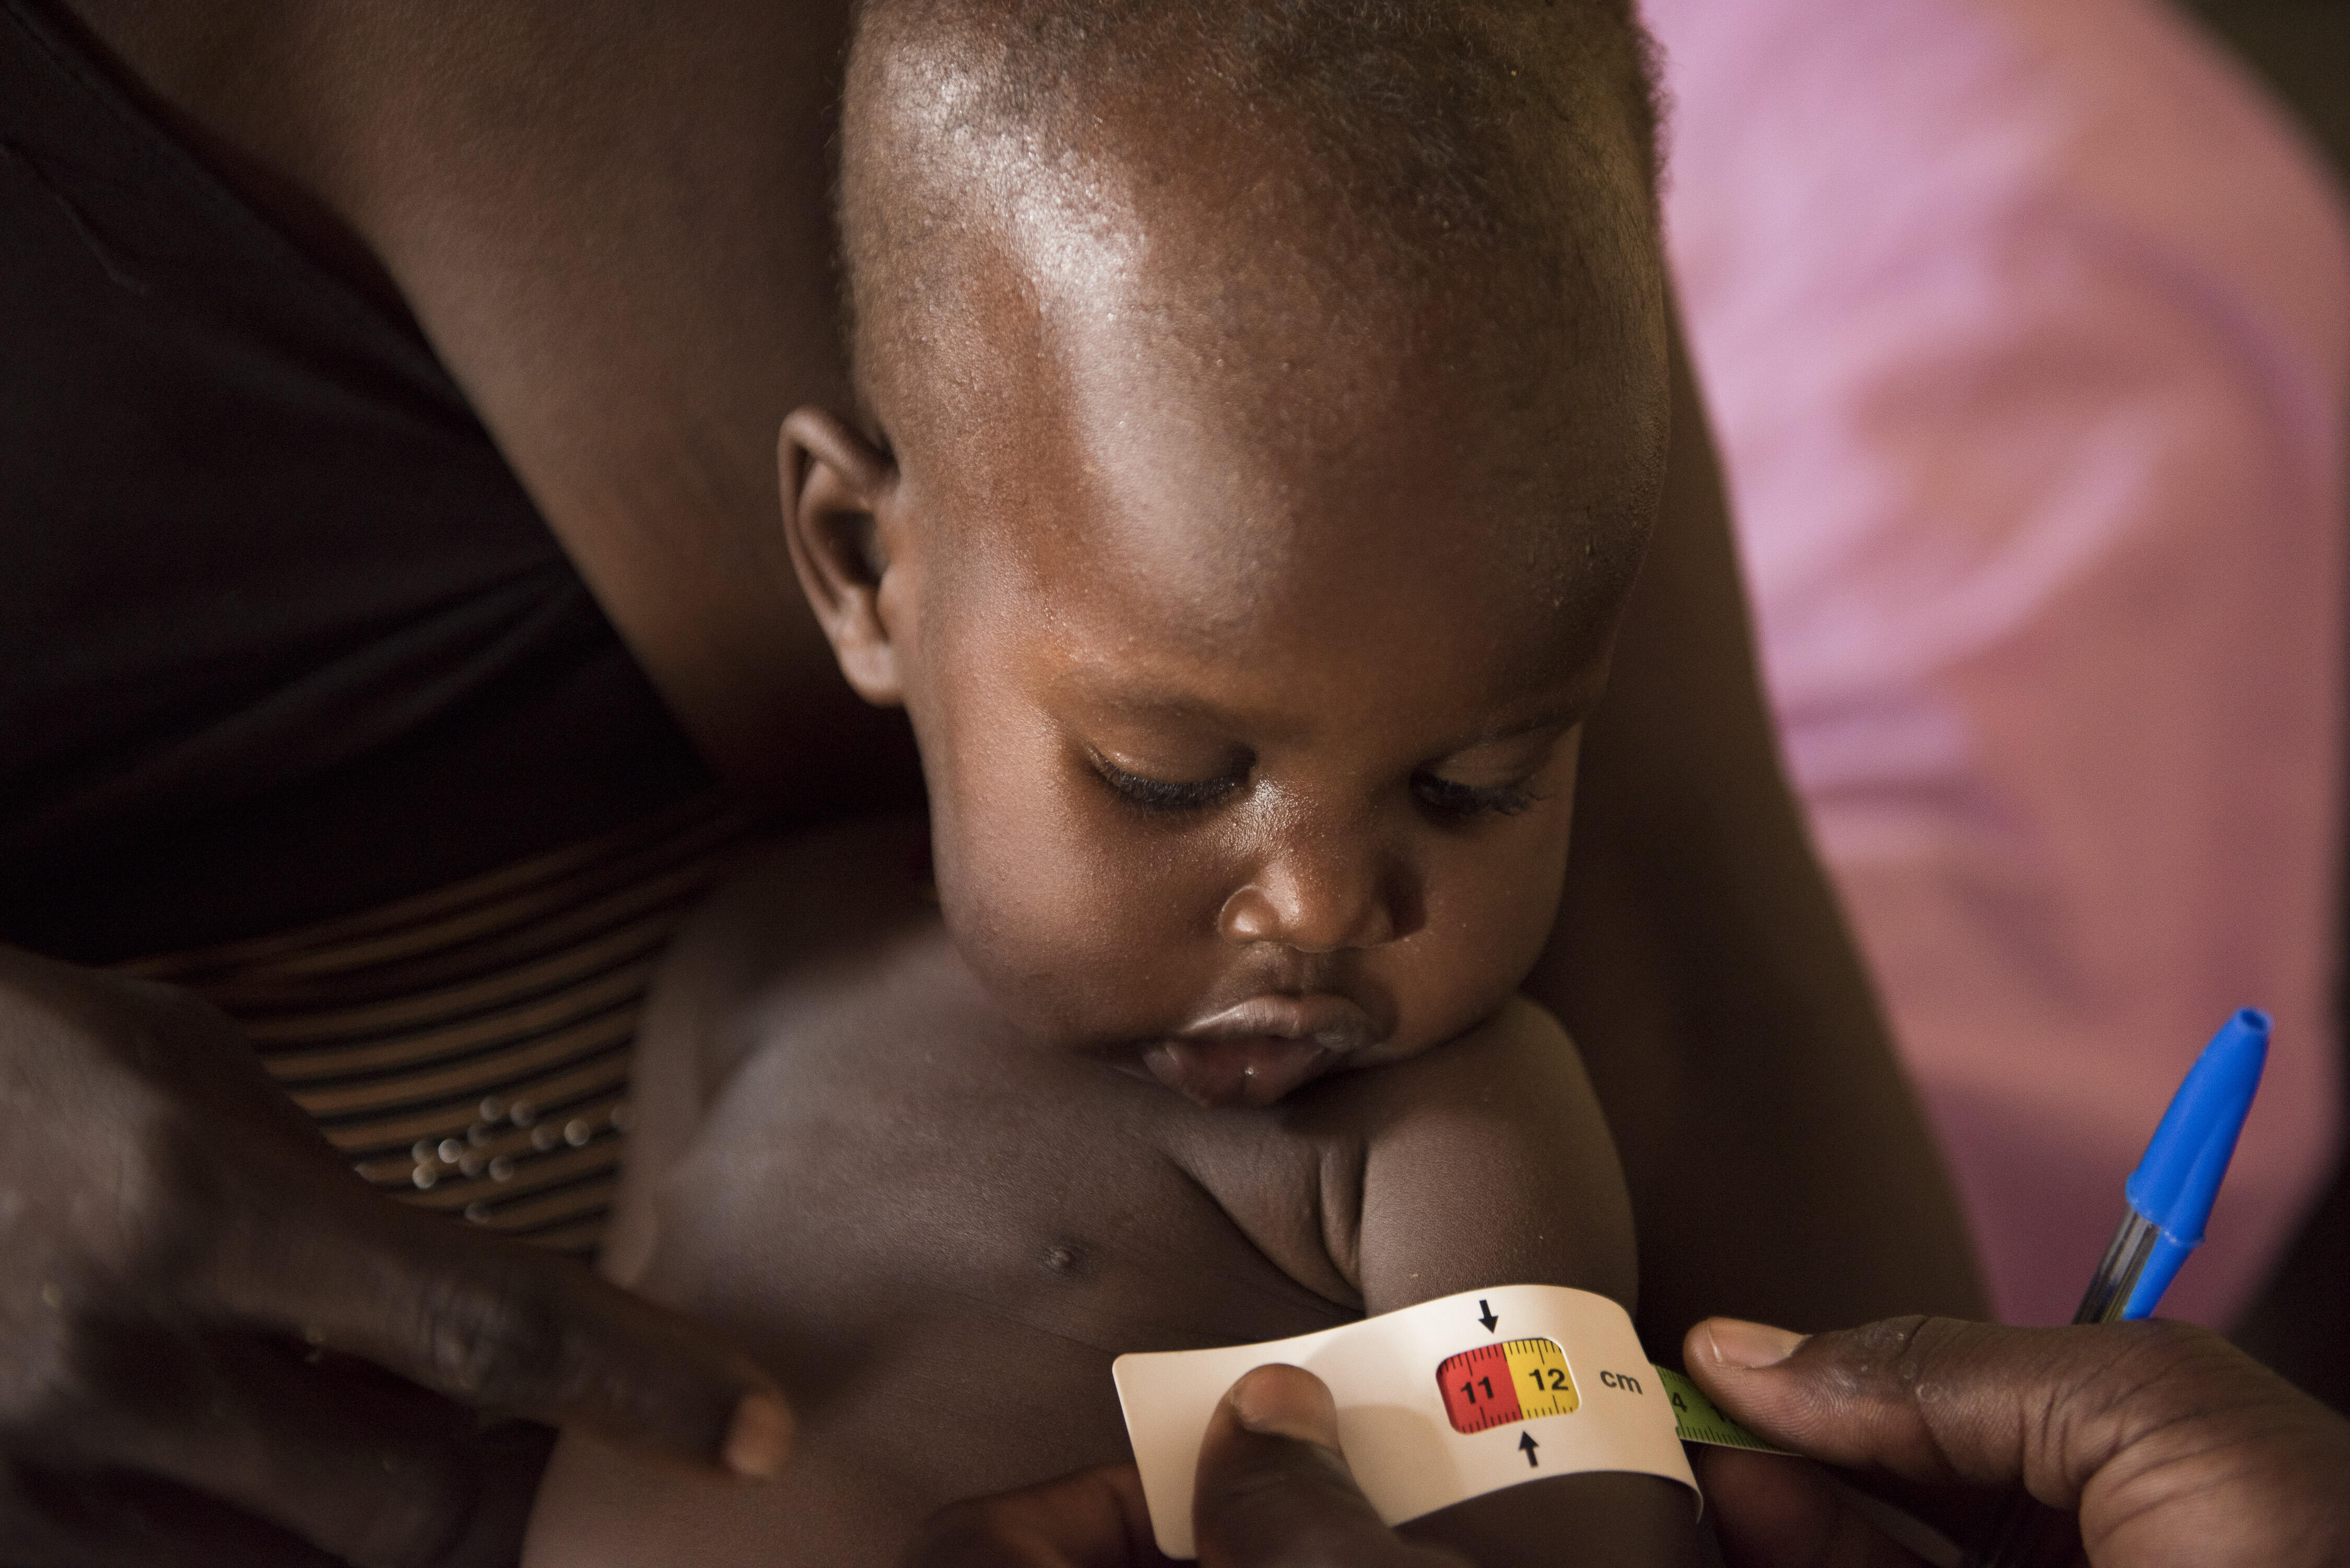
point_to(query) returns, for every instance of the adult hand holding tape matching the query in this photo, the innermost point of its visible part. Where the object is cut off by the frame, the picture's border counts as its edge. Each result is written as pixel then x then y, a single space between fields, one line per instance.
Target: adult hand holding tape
pixel 1437 1403
pixel 1275 1491
pixel 2175 1447
pixel 1327 1439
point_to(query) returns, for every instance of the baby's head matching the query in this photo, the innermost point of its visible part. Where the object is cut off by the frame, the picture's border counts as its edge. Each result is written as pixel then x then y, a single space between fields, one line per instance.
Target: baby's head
pixel 1264 406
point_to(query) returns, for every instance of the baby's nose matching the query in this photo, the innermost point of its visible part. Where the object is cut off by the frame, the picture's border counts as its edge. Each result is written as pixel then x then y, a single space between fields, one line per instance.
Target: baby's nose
pixel 1322 902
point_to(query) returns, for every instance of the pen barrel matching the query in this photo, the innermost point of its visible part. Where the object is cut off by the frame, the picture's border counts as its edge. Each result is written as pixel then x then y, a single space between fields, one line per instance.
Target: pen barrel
pixel 2176 1183
pixel 2116 1277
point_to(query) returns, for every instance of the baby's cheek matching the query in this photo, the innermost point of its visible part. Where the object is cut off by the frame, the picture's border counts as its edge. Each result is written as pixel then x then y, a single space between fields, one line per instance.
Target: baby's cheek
pixel 1490 913
pixel 1078 933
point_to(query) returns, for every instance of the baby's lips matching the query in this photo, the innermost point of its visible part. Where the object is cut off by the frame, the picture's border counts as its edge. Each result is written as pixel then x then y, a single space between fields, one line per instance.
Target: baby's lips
pixel 1326 1019
pixel 1255 1051
pixel 1253 1070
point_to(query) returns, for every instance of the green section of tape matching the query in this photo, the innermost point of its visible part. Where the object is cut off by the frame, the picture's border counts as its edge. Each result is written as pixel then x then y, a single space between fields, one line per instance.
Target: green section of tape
pixel 1698 1421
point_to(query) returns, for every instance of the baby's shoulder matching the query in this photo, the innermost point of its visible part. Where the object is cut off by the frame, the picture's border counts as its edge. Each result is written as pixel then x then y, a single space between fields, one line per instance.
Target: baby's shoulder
pixel 1513 1077
pixel 801 914
pixel 798 918
pixel 794 898
pixel 1484 1161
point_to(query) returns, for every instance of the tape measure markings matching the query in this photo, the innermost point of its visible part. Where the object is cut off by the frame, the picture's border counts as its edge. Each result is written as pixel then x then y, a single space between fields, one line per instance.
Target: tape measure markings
pixel 1697 1420
pixel 1427 1396
pixel 1495 1385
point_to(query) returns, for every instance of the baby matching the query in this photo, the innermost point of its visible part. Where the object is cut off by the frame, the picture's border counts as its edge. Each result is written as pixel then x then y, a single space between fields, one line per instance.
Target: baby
pixel 1262 412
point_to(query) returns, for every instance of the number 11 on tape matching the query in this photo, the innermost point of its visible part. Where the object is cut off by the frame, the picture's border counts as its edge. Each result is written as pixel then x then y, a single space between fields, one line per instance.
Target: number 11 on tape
pixel 1516 1380
pixel 1561 1398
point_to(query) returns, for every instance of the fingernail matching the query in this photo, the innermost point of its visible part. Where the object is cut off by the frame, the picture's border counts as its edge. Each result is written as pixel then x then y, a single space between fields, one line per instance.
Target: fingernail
pixel 1737 1343
pixel 1286 1402
pixel 760 1438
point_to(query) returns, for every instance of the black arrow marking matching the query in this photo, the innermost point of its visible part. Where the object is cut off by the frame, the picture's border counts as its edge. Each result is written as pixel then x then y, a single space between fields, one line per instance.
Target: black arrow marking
pixel 1526 1446
pixel 1489 1320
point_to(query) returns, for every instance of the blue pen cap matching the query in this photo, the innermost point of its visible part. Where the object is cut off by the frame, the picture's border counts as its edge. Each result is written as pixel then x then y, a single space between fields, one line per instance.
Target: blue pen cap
pixel 2175 1185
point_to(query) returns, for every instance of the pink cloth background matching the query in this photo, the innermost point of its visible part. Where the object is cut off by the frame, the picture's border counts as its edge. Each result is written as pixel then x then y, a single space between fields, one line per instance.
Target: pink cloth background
pixel 2026 326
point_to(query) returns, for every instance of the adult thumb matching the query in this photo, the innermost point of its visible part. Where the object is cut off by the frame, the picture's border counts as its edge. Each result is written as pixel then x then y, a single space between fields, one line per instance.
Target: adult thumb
pixel 2172 1445
pixel 1273 1489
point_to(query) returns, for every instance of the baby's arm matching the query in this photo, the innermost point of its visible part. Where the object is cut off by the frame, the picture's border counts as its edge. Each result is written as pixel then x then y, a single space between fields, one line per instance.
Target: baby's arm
pixel 1487 1162
pixel 789 907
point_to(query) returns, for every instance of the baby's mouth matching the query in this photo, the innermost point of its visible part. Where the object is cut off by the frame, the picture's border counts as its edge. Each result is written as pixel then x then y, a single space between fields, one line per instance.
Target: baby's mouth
pixel 1256 1052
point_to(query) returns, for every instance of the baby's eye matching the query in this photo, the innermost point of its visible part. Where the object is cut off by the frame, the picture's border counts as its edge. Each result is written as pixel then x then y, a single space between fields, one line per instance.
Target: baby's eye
pixel 1159 795
pixel 1460 801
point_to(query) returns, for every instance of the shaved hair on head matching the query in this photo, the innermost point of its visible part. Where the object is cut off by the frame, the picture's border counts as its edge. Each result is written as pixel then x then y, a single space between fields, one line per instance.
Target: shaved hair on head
pixel 1472 182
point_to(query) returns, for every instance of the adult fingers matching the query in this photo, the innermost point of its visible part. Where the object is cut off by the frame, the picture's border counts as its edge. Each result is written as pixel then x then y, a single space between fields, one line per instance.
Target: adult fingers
pixel 172 1206
pixel 505 1327
pixel 1774 1512
pixel 1274 1490
pixel 377 1475
pixel 1095 1519
pixel 2173 1446
pixel 73 1518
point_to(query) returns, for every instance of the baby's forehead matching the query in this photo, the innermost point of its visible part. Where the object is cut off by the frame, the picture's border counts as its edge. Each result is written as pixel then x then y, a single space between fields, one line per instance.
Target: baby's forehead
pixel 1187 522
pixel 1240 444
pixel 1283 628
pixel 1190 320
pixel 1179 248
pixel 1177 408
pixel 1011 197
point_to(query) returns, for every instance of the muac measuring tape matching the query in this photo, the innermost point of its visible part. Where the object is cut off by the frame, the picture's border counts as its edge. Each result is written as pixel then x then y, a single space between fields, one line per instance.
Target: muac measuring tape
pixel 1441 1402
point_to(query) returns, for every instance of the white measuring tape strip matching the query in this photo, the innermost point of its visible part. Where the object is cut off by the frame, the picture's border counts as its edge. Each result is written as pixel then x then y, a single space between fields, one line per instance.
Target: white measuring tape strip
pixel 1441 1402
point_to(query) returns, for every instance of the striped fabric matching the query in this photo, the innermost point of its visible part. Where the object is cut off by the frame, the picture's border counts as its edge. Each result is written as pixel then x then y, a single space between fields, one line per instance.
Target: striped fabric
pixel 467 1049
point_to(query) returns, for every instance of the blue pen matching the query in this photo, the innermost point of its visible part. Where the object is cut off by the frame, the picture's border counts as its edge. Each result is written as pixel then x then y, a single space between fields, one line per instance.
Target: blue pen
pixel 2170 1195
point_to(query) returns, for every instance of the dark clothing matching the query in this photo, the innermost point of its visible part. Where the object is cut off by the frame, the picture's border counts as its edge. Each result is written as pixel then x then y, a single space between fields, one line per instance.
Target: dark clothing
pixel 281 635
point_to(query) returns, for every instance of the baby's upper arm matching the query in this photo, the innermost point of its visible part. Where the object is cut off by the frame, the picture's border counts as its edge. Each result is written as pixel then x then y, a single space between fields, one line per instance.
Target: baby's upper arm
pixel 786 906
pixel 1487 1162
pixel 669 1080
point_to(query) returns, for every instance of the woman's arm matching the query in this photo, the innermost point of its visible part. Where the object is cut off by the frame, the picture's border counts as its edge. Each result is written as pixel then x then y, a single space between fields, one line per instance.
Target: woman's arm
pixel 613 225
pixel 1778 1164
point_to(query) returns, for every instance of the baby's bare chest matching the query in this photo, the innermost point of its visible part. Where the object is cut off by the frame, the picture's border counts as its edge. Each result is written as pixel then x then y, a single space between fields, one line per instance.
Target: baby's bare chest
pixel 940 1267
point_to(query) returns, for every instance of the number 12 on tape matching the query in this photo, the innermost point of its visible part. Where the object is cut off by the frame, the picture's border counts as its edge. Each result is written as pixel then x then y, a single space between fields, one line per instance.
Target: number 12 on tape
pixel 1495 1412
pixel 1516 1380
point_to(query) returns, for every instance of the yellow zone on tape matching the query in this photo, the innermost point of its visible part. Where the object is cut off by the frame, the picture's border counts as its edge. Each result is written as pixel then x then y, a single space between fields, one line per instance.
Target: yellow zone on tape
pixel 1545 1388
pixel 1698 1421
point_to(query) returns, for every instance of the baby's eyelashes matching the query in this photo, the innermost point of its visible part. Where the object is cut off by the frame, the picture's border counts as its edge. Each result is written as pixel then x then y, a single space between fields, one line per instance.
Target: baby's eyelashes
pixel 1449 798
pixel 1505 777
pixel 1171 796
pixel 1462 802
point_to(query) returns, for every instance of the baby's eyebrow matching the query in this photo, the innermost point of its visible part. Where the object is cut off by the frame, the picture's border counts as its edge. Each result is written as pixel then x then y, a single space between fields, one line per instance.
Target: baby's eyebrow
pixel 1563 717
pixel 1165 705
pixel 1559 709
pixel 1559 720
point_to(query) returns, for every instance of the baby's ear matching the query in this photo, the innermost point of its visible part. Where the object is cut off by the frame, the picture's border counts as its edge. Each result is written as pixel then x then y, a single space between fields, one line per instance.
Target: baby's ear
pixel 836 483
